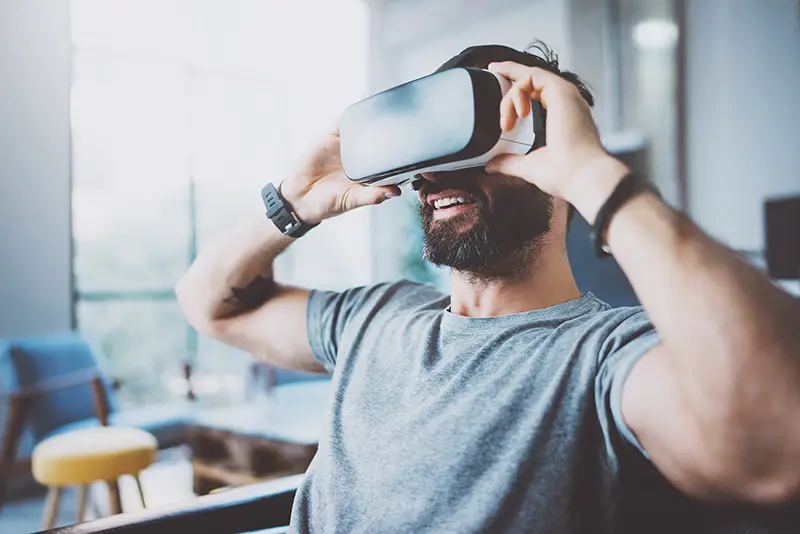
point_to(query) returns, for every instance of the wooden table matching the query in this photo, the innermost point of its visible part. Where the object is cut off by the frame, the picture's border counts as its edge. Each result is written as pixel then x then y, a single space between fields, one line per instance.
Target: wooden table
pixel 258 441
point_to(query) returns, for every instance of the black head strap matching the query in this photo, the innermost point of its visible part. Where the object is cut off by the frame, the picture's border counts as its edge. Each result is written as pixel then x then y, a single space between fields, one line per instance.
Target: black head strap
pixel 481 56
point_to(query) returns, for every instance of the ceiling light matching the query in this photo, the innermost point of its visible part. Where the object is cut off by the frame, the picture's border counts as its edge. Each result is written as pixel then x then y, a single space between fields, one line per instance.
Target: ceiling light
pixel 655 34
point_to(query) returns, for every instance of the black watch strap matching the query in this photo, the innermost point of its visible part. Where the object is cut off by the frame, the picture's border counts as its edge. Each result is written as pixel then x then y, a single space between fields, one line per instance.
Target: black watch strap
pixel 631 185
pixel 281 213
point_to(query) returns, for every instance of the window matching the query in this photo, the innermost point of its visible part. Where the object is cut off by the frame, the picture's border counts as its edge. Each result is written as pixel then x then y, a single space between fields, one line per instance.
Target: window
pixel 181 111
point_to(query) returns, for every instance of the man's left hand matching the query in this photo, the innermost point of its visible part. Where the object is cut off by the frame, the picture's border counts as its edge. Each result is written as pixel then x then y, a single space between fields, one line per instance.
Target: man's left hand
pixel 573 165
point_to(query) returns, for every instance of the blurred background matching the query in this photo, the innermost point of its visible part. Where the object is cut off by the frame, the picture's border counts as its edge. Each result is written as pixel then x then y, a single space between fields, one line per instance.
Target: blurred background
pixel 133 131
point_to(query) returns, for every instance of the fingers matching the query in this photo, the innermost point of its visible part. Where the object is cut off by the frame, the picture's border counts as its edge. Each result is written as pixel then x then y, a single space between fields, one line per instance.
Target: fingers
pixel 508 113
pixel 515 164
pixel 391 191
pixel 527 78
pixel 506 164
pixel 363 195
pixel 522 103
pixel 519 74
pixel 533 81
pixel 515 104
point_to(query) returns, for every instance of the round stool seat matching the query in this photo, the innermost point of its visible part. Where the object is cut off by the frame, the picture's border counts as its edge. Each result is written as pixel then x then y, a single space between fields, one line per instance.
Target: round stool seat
pixel 91 454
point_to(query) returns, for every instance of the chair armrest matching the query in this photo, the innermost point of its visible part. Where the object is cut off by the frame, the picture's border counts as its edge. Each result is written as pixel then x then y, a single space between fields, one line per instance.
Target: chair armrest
pixel 75 378
pixel 246 509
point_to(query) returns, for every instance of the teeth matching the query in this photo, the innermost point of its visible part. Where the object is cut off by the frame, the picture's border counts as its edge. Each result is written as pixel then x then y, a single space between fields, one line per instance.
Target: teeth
pixel 447 202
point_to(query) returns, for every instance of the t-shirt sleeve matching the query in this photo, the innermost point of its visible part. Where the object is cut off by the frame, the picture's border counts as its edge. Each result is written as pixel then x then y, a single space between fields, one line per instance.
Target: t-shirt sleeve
pixel 631 338
pixel 331 315
pixel 327 315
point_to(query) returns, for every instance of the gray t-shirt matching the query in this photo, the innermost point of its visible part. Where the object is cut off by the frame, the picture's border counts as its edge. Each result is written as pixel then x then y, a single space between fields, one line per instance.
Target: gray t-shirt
pixel 443 423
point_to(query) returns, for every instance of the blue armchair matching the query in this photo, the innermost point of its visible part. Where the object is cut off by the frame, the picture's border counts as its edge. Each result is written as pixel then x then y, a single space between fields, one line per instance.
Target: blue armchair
pixel 55 384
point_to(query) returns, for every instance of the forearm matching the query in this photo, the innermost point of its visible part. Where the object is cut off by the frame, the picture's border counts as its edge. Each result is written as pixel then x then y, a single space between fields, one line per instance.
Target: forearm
pixel 728 328
pixel 733 338
pixel 233 274
pixel 703 298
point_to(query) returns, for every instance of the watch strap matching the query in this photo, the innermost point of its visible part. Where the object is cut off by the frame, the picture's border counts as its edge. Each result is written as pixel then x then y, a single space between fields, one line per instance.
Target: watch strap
pixel 280 212
pixel 631 185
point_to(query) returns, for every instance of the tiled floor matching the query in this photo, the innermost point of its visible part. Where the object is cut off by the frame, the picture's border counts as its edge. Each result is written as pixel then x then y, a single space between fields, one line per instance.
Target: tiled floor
pixel 168 481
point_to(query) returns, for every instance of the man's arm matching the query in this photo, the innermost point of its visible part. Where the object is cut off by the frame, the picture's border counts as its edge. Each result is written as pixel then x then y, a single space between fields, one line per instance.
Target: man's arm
pixel 717 404
pixel 229 293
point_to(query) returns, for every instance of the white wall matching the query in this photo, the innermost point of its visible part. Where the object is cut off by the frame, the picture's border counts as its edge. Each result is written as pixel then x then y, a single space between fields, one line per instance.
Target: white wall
pixel 512 25
pixel 34 167
pixel 743 115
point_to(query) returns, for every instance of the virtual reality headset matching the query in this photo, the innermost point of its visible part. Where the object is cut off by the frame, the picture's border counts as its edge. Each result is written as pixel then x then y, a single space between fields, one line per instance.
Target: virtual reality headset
pixel 445 121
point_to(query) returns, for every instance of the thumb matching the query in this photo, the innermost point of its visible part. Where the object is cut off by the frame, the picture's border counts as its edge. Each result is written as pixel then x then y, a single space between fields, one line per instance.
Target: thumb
pixel 364 195
pixel 510 165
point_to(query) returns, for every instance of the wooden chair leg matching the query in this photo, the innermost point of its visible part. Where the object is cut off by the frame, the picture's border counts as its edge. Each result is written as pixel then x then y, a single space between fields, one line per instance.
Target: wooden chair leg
pixel 114 497
pixel 82 493
pixel 141 490
pixel 10 442
pixel 51 507
pixel 100 400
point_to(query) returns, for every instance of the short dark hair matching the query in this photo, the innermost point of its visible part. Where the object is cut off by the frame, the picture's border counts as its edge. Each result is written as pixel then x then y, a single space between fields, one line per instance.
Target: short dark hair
pixel 536 54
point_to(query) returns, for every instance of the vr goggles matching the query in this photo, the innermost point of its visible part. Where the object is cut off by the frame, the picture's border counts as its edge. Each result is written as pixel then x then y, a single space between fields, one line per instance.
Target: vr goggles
pixel 445 121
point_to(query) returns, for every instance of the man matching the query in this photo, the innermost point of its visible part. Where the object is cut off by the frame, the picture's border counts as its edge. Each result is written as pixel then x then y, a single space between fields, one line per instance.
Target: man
pixel 517 404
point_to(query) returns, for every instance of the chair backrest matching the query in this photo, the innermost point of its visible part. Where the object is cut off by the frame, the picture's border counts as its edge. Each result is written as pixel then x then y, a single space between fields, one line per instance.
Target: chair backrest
pixel 601 276
pixel 27 363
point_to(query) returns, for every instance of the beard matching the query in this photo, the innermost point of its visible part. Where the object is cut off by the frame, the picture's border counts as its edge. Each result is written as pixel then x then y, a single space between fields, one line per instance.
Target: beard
pixel 497 239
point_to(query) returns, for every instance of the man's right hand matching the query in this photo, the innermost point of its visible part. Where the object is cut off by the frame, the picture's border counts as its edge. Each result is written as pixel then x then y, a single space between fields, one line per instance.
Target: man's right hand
pixel 229 292
pixel 318 189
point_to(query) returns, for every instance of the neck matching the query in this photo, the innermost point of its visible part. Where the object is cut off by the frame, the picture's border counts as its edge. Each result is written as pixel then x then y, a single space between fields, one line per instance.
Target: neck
pixel 545 282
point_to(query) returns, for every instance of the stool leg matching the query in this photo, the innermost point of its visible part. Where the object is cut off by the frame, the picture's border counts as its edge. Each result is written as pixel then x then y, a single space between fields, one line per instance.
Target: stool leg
pixel 94 505
pixel 113 495
pixel 51 508
pixel 82 491
pixel 141 491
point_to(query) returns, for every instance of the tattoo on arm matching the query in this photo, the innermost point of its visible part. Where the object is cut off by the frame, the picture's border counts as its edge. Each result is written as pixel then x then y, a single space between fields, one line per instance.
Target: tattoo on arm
pixel 253 294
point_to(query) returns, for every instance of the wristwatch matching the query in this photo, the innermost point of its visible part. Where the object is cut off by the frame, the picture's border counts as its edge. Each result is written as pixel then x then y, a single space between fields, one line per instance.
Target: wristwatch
pixel 280 212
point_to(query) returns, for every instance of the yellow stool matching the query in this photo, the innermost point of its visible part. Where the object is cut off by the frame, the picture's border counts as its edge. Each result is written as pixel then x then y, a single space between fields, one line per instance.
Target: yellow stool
pixel 80 457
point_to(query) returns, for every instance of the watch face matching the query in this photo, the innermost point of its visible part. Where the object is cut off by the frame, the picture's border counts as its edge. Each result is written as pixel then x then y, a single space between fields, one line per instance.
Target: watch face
pixel 435 119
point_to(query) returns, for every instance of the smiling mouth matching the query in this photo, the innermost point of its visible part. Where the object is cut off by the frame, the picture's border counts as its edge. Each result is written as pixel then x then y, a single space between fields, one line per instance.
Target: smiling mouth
pixel 443 203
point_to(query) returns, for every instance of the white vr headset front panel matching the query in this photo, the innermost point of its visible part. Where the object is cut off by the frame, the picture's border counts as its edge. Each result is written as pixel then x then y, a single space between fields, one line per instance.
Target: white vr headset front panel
pixel 519 140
